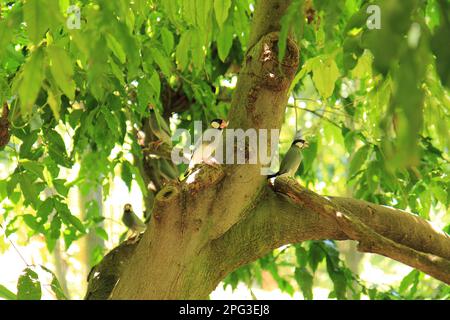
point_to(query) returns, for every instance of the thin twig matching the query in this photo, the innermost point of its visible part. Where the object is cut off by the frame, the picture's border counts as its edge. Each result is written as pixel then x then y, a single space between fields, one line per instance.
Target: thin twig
pixel 14 246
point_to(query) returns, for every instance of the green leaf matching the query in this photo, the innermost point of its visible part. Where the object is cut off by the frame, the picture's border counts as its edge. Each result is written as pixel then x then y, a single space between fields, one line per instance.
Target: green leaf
pixel 110 119
pixel 167 40
pixel 225 41
pixel 358 159
pixel 57 149
pixel 37 19
pixel 163 62
pixel 221 8
pixel 316 255
pixel 140 181
pixel 5 293
pixel 197 52
pixel 30 221
pixel 54 101
pixel 425 203
pixel 182 52
pixel 5 91
pixel 189 11
pixel 410 281
pixel 116 48
pixel 126 174
pixel 306 68
pixel 28 141
pixel 55 285
pixel 301 255
pixel 155 82
pixel 28 189
pixel 439 193
pixel 372 176
pixel 45 209
pixel 144 94
pixel 325 75
pixel 442 53
pixel 349 140
pixel 171 8
pixel 30 81
pixel 28 286
pixel 292 18
pixel 101 233
pixel 305 282
pixel 117 72
pixel 338 277
pixel 3 190
pixel 13 22
pixel 62 70
pixel 55 227
pixel 34 167
pixel 61 187
pixel 204 17
pixel 241 21
pixel 68 218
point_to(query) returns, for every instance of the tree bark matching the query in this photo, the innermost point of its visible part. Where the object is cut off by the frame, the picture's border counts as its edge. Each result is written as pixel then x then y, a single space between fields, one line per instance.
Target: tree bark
pixel 222 218
pixel 186 217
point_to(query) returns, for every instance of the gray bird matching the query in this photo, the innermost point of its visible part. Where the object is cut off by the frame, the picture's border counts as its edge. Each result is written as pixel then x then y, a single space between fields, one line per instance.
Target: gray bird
pixel 132 221
pixel 292 160
pixel 204 150
pixel 159 127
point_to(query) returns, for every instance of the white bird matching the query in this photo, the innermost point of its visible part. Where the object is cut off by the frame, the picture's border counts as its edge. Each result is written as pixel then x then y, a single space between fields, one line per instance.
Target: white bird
pixel 204 149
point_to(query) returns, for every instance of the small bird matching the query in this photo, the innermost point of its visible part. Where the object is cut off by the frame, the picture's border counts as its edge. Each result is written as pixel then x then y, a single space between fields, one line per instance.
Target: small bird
pixel 132 221
pixel 204 150
pixel 292 160
pixel 159 127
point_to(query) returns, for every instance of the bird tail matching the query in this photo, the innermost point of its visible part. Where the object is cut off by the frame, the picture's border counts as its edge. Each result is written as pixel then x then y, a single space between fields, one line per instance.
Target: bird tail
pixel 270 176
pixel 187 172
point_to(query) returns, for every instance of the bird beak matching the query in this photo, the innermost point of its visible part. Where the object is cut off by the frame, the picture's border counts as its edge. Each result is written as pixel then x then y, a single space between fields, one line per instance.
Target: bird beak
pixel 306 144
pixel 224 124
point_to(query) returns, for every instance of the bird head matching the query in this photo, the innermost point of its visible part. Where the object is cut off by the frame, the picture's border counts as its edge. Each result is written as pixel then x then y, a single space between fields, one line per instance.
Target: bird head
pixel 219 124
pixel 301 143
pixel 128 208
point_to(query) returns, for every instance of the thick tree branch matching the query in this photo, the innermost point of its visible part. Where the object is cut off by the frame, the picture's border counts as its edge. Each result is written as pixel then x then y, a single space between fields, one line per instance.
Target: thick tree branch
pixel 289 214
pixel 293 214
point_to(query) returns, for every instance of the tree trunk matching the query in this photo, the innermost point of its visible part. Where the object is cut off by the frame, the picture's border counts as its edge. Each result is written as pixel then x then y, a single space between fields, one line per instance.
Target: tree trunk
pixel 187 217
pixel 228 216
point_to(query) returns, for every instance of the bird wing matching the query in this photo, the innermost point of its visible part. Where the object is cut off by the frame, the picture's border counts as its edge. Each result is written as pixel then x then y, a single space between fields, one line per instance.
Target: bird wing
pixel 203 150
pixel 138 224
pixel 291 161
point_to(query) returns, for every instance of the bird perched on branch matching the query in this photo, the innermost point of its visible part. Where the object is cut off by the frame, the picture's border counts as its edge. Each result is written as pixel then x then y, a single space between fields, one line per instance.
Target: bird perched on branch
pixel 293 158
pixel 204 148
pixel 132 221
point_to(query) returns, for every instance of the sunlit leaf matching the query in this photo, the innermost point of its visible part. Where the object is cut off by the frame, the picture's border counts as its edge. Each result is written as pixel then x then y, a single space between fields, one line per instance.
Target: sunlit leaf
pixel 29 286
pixel 5 293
